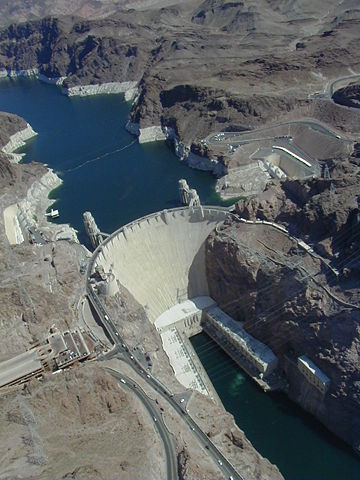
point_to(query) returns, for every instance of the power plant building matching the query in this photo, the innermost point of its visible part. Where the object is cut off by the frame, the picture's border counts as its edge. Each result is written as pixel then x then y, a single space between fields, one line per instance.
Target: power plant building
pixel 313 374
pixel 256 352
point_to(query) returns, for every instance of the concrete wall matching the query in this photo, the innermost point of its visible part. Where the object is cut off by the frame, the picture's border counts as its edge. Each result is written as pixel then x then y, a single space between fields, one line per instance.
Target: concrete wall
pixel 292 167
pixel 160 258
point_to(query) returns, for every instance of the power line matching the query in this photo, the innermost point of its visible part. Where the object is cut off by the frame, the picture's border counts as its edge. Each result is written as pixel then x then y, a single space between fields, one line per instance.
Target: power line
pixel 269 312
pixel 99 157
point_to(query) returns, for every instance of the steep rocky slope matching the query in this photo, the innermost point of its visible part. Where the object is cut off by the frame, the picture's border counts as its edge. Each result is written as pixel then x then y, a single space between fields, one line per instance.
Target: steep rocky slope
pixel 264 280
pixel 320 211
pixel 348 96
pixel 78 424
pixel 201 66
pixel 292 300
pixel 19 11
pixel 11 174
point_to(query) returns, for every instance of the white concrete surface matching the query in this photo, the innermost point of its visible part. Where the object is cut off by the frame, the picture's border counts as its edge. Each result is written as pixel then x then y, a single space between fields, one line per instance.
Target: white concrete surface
pixel 160 258
pixel 128 88
pixel 181 361
pixel 12 226
pixel 259 354
pixel 183 310
pixel 20 366
pixel 305 365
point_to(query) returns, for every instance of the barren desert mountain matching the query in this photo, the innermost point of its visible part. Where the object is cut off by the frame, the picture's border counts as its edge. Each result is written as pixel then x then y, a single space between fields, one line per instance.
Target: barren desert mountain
pixel 348 96
pixel 88 411
pixel 307 312
pixel 268 69
pixel 19 11
pixel 192 65
pixel 296 310
pixel 12 174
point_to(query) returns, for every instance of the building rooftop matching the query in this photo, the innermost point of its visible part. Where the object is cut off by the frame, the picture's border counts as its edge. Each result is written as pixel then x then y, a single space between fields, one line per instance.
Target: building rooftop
pixel 183 310
pixel 315 370
pixel 235 329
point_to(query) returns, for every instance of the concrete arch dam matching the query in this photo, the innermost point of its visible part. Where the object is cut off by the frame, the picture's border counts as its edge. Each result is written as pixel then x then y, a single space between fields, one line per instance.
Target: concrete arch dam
pixel 160 258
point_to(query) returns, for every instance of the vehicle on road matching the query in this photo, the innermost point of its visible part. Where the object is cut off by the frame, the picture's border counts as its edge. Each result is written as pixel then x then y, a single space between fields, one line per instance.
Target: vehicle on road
pixel 182 400
pixel 219 462
pixel 116 333
pixel 155 419
pixel 106 317
pixel 122 380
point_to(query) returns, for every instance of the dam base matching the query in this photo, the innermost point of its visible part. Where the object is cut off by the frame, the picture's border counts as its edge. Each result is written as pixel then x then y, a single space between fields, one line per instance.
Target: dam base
pixel 187 319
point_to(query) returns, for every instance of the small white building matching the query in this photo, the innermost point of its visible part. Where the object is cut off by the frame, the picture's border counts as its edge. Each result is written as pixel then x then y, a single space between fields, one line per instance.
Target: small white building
pixel 256 352
pixel 185 316
pixel 313 374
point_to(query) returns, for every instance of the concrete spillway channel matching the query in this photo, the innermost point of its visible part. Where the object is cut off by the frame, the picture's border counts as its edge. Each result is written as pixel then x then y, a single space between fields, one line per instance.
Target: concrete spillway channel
pixel 160 259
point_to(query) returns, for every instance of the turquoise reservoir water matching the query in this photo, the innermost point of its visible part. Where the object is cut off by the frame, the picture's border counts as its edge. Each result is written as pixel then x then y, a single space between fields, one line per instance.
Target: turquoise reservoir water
pixel 106 172
pixel 299 445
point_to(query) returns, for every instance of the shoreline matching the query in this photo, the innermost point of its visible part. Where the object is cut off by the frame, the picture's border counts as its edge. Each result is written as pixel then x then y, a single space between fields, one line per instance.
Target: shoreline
pixel 157 133
pixel 128 88
pixel 31 209
pixel 153 133
pixel 18 140
pixel 39 191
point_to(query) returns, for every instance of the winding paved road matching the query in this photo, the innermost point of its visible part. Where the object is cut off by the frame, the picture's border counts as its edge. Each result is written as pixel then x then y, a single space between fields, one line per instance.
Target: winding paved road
pixel 170 452
pixel 121 348
pixel 332 87
pixel 234 138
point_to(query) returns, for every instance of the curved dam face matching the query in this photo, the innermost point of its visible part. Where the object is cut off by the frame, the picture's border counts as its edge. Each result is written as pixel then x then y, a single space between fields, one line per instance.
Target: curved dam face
pixel 160 258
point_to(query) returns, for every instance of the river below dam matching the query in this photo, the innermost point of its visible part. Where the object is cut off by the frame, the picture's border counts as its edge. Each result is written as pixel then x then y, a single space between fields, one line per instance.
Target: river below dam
pixel 106 171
